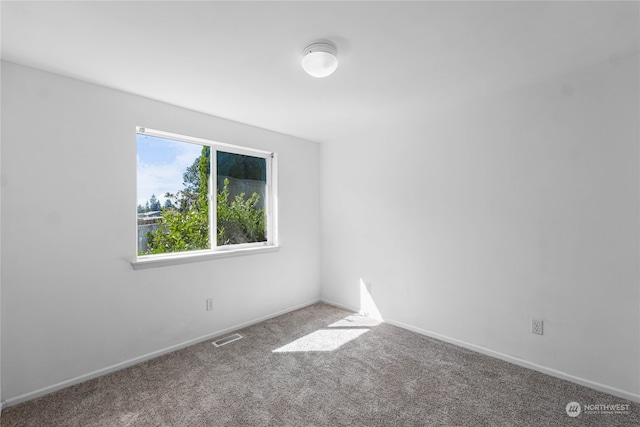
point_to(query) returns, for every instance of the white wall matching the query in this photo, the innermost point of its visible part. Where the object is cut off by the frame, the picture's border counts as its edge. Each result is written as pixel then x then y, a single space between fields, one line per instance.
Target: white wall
pixel 68 178
pixel 485 214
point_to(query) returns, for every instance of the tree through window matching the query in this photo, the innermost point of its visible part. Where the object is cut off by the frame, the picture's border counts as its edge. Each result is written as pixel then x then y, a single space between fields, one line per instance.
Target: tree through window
pixel 181 174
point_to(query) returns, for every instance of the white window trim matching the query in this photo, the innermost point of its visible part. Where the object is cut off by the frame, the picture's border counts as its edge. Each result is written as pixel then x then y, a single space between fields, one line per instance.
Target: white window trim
pixel 216 252
pixel 161 260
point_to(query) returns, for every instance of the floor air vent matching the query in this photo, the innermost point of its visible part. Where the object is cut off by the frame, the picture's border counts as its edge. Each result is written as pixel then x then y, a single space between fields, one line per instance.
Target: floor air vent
pixel 227 340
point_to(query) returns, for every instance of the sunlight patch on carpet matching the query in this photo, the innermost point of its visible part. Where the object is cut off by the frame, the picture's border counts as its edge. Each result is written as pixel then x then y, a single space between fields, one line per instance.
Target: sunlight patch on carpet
pixel 323 340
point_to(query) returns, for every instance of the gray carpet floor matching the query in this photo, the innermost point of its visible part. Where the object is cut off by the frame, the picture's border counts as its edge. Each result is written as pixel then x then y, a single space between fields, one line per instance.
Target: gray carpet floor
pixel 321 366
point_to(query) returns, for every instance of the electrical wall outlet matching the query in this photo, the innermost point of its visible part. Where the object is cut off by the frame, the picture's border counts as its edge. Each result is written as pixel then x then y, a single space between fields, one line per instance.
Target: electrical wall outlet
pixel 536 326
pixel 209 304
pixel 368 286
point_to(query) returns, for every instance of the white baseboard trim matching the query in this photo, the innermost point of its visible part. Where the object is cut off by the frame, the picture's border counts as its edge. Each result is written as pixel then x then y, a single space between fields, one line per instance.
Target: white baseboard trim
pixel 336 304
pixel 511 359
pixel 3 405
pixel 122 365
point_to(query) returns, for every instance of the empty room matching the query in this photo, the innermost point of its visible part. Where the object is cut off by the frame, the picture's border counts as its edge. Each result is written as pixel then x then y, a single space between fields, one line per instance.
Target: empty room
pixel 329 213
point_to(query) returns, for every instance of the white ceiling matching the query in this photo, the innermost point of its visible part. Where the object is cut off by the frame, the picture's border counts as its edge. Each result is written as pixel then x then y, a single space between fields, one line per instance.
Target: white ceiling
pixel 241 60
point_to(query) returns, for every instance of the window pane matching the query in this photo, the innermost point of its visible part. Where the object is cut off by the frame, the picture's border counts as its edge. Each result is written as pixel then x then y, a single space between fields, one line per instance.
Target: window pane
pixel 242 187
pixel 173 202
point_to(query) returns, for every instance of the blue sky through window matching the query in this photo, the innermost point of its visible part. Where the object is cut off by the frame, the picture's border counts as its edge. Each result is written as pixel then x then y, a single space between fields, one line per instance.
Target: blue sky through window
pixel 160 165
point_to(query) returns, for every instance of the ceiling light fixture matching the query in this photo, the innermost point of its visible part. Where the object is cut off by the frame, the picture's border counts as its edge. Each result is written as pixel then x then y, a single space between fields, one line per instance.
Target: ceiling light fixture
pixel 319 59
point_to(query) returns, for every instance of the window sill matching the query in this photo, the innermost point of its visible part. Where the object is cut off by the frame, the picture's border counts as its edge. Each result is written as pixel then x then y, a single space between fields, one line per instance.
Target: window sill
pixel 153 261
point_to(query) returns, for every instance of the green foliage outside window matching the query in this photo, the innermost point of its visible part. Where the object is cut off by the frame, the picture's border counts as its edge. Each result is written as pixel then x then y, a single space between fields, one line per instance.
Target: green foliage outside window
pixel 239 219
pixel 185 218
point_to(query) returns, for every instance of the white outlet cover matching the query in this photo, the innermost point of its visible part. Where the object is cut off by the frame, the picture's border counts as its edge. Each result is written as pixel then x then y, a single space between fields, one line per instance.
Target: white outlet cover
pixel 537 326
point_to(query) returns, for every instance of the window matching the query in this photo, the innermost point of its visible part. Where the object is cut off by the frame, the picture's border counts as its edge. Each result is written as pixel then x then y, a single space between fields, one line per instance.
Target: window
pixel 201 198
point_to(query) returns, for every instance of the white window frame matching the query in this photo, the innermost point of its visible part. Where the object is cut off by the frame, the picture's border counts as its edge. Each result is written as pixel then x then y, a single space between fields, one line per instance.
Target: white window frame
pixel 271 198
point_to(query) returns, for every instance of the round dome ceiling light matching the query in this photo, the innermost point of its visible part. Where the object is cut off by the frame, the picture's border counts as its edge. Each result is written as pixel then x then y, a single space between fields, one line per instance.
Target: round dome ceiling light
pixel 319 59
